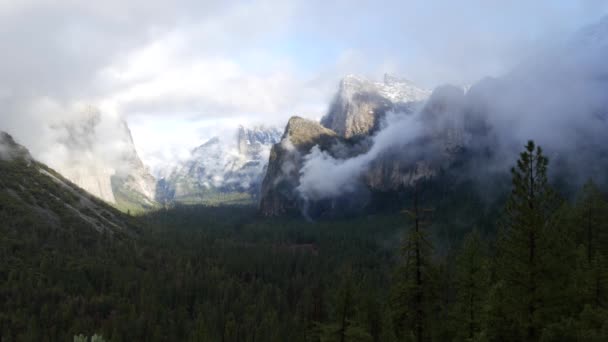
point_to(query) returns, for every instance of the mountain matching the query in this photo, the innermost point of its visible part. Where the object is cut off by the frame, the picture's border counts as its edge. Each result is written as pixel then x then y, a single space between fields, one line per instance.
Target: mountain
pixel 360 104
pixel 278 194
pixel 221 171
pixel 133 186
pixel 354 116
pixel 105 166
pixel 454 136
pixel 35 197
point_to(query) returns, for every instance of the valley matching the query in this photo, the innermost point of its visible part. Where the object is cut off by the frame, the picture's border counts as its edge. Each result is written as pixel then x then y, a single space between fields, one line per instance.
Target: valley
pixel 263 171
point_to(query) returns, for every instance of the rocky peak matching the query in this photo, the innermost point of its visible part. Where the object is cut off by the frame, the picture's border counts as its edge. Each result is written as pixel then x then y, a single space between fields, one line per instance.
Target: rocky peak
pixel 360 104
pixel 278 192
pixel 355 112
pixel 401 90
pixel 305 133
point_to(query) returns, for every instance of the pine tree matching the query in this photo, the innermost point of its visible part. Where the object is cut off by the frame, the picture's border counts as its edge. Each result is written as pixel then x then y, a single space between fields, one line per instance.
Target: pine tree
pixel 592 218
pixel 472 285
pixel 597 282
pixel 345 325
pixel 414 296
pixel 524 249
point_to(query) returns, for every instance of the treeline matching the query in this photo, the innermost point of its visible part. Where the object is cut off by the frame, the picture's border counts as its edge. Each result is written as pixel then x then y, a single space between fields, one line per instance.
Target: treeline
pixel 537 273
pixel 543 278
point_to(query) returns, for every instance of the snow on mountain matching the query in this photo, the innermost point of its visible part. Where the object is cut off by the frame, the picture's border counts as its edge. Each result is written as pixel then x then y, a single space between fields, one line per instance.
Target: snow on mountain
pixel 360 104
pixel 219 169
pixel 401 90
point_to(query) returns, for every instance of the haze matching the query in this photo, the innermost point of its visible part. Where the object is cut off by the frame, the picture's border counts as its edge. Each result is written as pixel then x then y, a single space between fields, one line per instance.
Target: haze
pixel 181 72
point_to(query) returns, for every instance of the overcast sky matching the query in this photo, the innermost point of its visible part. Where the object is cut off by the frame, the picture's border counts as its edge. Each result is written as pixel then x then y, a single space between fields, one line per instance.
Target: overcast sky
pixel 181 71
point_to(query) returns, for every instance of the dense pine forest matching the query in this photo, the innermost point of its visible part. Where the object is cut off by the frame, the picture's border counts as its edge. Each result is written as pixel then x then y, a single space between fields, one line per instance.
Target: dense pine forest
pixel 450 266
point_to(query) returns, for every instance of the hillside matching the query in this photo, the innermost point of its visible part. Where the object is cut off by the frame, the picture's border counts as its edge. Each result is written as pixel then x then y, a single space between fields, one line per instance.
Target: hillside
pixel 33 195
pixel 72 265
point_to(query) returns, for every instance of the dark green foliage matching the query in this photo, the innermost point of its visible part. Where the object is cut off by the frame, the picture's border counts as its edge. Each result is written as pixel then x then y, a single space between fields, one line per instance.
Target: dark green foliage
pixel 526 247
pixel 591 213
pixel 472 285
pixel 195 273
pixel 348 315
pixel 414 295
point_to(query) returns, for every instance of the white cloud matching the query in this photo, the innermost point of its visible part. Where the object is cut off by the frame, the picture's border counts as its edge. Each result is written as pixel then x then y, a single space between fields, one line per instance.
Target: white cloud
pixel 205 64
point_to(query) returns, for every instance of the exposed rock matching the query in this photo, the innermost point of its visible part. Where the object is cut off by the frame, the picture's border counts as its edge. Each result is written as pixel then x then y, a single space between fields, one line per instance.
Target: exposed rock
pixel 360 105
pixel 388 174
pixel 391 170
pixel 134 182
pixel 278 194
pixel 47 198
pixel 119 178
pixel 444 139
pixel 222 171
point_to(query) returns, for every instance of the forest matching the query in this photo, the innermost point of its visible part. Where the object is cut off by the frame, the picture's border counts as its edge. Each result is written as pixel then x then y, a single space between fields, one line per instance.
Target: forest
pixel 449 266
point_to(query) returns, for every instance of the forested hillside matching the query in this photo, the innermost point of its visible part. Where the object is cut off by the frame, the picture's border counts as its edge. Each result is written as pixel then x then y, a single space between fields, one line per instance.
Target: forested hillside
pixel 449 267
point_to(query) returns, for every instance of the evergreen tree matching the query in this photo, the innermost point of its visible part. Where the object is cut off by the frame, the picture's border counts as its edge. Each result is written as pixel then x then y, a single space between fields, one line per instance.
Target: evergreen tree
pixel 592 219
pixel 472 285
pixel 414 297
pixel 345 326
pixel 524 249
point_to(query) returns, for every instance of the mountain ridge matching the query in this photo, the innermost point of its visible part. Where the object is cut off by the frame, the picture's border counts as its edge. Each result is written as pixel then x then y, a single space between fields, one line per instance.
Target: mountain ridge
pixel 463 134
pixel 359 104
pixel 31 191
pixel 221 171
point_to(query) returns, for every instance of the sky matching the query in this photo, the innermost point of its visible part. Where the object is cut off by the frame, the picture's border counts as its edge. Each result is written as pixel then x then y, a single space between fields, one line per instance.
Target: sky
pixel 182 71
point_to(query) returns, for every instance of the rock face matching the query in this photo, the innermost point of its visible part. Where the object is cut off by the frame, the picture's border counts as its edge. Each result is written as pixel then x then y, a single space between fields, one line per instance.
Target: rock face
pixel 359 105
pixel 346 134
pixel 105 166
pixel 29 189
pixel 222 171
pixel 456 138
pixel 133 183
pixel 278 195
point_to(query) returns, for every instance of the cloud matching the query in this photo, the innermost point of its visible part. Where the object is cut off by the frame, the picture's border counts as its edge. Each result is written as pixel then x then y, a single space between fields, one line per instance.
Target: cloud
pixel 324 176
pixel 557 98
pixel 127 59
pixel 200 62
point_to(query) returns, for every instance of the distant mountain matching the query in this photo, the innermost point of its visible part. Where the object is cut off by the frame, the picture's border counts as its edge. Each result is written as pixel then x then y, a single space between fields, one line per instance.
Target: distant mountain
pixel 360 104
pixel 451 136
pixel 119 176
pixel 221 171
pixel 34 196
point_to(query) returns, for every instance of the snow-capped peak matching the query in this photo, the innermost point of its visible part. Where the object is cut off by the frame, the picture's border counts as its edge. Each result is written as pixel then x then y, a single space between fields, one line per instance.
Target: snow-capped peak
pixel 393 88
